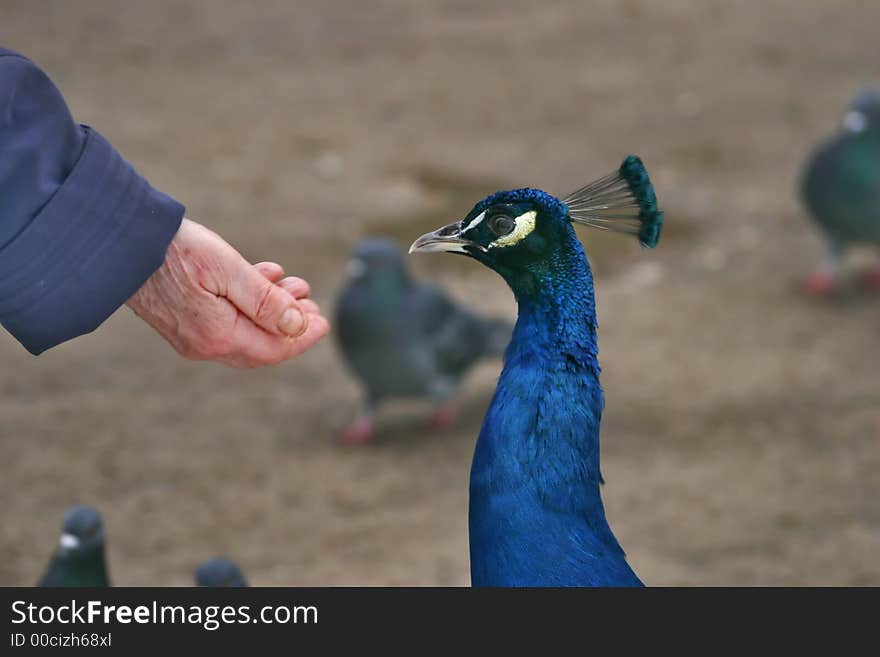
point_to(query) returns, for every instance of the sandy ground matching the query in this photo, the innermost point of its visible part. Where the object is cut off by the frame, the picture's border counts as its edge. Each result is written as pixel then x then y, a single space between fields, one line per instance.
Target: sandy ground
pixel 740 442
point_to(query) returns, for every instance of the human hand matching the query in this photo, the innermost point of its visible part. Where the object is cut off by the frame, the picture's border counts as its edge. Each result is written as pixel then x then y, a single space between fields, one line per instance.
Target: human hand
pixel 212 304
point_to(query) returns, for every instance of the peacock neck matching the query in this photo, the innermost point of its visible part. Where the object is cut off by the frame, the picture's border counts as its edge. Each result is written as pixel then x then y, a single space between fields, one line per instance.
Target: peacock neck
pixel 548 404
pixel 557 313
pixel 536 513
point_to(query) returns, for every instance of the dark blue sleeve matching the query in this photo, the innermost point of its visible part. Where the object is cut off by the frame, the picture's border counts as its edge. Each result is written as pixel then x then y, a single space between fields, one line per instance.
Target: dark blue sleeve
pixel 80 229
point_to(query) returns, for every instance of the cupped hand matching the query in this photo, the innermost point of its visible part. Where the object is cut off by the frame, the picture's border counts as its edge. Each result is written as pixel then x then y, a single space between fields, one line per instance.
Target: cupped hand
pixel 210 303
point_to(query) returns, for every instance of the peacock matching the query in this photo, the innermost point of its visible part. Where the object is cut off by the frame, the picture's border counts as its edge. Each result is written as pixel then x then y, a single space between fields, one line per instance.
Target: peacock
pixel 840 187
pixel 536 516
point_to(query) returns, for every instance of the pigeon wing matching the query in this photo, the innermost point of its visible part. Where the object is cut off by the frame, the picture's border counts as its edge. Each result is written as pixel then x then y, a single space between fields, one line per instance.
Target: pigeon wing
pixel 454 337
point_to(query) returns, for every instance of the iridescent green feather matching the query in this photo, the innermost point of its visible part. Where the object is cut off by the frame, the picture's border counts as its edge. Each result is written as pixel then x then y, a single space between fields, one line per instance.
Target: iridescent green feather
pixel 623 201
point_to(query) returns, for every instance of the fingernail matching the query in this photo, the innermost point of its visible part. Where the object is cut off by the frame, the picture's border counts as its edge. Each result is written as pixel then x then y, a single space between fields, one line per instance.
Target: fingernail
pixel 292 322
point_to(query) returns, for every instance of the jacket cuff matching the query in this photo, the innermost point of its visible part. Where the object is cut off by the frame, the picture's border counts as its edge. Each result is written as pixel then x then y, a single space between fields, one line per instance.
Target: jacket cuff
pixel 90 248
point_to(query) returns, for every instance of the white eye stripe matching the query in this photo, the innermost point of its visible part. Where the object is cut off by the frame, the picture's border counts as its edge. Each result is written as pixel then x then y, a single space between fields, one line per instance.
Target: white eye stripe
pixel 525 224
pixel 476 220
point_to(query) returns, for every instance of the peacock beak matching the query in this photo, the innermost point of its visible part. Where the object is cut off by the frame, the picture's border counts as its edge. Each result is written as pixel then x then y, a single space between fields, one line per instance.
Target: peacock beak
pixel 448 239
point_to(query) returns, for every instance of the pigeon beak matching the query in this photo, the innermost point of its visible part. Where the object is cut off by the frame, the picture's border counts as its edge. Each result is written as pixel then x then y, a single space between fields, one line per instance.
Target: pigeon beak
pixel 68 542
pixel 355 268
pixel 447 239
pixel 855 121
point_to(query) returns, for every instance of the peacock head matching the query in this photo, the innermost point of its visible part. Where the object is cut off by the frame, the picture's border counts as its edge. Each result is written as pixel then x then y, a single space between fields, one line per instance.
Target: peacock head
pixel 525 230
pixel 83 531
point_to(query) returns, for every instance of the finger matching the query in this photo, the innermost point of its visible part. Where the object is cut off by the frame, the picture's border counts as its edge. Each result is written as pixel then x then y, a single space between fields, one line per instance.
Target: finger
pixel 269 306
pixel 272 271
pixel 295 286
pixel 254 347
pixel 309 306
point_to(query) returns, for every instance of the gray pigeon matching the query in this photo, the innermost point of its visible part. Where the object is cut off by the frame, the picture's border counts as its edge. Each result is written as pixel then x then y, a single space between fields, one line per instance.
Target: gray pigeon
pixel 841 190
pixel 404 338
pixel 219 573
pixel 79 559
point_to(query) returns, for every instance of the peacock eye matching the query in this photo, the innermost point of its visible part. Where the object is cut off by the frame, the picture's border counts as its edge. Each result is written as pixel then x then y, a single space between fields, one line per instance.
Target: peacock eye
pixel 502 225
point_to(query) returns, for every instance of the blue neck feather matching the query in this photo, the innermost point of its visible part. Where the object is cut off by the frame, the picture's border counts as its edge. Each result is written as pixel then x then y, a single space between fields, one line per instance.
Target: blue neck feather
pixel 536 514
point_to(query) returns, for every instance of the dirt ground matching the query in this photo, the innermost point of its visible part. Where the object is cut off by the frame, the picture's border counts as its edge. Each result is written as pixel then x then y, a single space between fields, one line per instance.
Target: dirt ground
pixel 740 441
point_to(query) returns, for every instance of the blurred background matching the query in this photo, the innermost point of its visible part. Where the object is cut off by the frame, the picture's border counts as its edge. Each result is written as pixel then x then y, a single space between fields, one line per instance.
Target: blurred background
pixel 740 438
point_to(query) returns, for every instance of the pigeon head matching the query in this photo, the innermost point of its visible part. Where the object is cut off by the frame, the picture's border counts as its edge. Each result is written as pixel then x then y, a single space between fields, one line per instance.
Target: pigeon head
pixel 527 230
pixel 79 559
pixel 219 572
pixel 82 532
pixel 863 113
pixel 376 257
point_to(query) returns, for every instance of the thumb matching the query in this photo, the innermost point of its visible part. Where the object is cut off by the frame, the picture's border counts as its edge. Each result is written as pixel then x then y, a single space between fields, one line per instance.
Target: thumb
pixel 269 306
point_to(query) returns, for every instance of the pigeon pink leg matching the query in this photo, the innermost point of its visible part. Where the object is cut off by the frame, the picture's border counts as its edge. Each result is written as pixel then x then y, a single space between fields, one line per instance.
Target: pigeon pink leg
pixel 445 416
pixel 870 280
pixel 359 432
